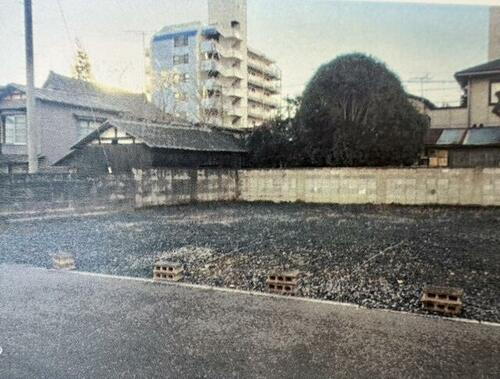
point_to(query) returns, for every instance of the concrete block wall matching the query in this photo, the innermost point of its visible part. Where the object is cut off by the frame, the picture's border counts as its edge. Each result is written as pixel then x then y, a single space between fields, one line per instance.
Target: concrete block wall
pixel 23 193
pixel 156 187
pixel 410 186
pixel 26 194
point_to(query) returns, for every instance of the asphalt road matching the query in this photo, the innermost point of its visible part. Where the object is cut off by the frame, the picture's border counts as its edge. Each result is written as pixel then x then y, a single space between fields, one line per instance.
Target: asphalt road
pixel 59 325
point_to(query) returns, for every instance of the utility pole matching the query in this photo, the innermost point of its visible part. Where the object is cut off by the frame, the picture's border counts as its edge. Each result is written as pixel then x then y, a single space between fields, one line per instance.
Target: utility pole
pixel 30 89
pixel 421 79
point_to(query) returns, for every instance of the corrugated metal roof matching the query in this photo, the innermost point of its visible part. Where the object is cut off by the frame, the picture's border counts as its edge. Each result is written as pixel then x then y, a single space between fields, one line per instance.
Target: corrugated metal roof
pixel 451 137
pixel 172 136
pixel 486 136
pixel 482 136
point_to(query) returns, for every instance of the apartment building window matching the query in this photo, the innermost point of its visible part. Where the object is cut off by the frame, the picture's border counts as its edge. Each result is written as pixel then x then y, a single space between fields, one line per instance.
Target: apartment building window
pixel 181 59
pixel 180 41
pixel 208 56
pixel 87 126
pixel 494 88
pixel 180 78
pixel 15 130
pixel 181 96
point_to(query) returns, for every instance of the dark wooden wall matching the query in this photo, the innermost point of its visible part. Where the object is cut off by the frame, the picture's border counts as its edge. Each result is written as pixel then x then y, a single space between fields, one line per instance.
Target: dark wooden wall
pixel 122 158
pixel 474 157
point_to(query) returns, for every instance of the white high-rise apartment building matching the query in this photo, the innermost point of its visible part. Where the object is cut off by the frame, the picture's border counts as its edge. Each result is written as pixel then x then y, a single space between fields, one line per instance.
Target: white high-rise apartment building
pixel 208 74
pixel 494 34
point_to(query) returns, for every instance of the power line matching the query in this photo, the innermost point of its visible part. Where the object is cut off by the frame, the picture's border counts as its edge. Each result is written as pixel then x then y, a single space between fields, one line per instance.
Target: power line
pixel 84 92
pixel 428 81
pixel 143 34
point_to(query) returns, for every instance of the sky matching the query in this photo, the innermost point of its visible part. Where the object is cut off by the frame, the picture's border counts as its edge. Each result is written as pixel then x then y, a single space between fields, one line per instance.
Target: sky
pixel 416 41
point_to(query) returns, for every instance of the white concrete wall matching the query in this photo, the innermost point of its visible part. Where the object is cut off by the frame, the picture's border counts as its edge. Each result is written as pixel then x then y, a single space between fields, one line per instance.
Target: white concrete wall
pixel 372 185
pixel 448 118
pixel 481 110
pixel 408 186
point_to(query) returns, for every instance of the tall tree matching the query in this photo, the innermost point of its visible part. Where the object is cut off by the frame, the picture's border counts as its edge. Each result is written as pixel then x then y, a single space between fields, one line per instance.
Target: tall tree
pixel 82 68
pixel 355 112
pixel 275 143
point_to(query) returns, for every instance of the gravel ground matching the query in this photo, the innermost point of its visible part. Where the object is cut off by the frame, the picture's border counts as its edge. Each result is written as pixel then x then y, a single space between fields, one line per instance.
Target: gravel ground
pixel 376 256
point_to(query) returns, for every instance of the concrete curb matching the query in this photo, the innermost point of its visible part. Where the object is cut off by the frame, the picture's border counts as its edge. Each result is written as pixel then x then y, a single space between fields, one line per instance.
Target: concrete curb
pixel 265 294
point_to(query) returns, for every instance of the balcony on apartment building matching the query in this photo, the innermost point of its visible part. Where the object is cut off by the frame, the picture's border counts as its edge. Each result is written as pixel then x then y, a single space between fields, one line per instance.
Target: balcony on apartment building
pixel 230 33
pixel 227 91
pixel 212 46
pixel 234 110
pixel 268 69
pixel 226 70
pixel 212 84
pixel 234 91
pixel 260 97
pixel 259 113
pixel 221 103
pixel 259 82
pixel 232 122
pixel 216 31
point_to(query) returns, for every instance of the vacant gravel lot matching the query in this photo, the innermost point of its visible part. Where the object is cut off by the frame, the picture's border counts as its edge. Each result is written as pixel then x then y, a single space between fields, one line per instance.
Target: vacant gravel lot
pixel 338 248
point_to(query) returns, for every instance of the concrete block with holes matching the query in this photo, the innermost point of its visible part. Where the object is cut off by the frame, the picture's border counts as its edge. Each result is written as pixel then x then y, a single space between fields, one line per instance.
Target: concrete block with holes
pixel 446 300
pixel 283 283
pixel 168 271
pixel 63 261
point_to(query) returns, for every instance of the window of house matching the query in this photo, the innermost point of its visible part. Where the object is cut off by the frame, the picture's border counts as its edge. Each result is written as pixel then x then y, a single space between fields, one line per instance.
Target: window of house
pixel 494 88
pixel 16 96
pixel 181 41
pixel 87 126
pixel 15 130
pixel 181 59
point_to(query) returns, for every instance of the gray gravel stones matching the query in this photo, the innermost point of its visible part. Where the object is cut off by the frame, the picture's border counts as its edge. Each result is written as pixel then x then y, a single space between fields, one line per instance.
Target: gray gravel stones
pixel 375 256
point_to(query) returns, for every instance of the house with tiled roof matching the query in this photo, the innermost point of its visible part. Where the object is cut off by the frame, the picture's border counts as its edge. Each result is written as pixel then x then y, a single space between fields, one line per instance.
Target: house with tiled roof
pixel 480 85
pixel 118 146
pixel 66 110
pixel 468 135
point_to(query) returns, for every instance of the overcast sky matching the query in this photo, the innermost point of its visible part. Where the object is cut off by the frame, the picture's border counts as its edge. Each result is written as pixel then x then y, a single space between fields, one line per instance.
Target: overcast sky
pixel 415 40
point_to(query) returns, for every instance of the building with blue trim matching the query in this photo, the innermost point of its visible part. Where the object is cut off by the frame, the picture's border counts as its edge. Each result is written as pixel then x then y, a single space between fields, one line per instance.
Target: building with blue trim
pixel 208 74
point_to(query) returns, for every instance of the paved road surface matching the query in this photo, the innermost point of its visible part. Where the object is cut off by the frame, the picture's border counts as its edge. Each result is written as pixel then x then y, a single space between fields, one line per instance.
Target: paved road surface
pixel 60 325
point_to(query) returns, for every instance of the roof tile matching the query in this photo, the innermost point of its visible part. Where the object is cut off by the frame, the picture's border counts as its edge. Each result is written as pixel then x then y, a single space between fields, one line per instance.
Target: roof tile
pixel 173 136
